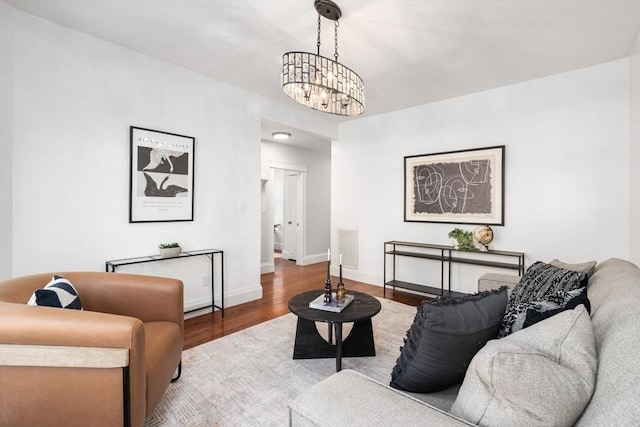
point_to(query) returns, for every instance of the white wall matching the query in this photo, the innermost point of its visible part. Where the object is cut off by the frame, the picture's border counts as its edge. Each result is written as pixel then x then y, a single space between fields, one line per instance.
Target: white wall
pixel 68 100
pixel 6 118
pixel 567 169
pixel 75 97
pixel 635 152
pixel 317 201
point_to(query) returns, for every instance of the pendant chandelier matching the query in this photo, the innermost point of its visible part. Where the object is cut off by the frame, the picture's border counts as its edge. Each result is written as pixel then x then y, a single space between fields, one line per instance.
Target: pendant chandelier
pixel 319 82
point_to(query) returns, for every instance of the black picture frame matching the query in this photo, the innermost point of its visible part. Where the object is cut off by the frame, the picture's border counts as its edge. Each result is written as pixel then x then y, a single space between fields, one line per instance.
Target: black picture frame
pixel 455 187
pixel 161 176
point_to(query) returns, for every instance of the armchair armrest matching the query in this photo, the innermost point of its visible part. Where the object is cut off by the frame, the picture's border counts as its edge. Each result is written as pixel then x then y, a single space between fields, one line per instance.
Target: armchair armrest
pixel 48 326
pixel 148 298
pixel 75 356
pixel 63 357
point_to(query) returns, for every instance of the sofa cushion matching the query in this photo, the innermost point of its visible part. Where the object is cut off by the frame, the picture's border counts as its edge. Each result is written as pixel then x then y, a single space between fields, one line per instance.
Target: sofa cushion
pixel 348 398
pixel 540 376
pixel 445 335
pixel 59 292
pixel 614 292
pixel 540 282
pixel 588 267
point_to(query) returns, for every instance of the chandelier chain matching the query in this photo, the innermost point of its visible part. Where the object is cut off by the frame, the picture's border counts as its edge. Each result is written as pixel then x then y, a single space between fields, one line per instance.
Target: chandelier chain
pixel 336 25
pixel 318 44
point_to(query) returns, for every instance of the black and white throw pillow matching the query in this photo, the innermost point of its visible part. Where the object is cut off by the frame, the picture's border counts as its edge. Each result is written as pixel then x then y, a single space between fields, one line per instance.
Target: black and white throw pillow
pixel 542 279
pixel 525 314
pixel 59 292
pixel 543 287
pixel 557 303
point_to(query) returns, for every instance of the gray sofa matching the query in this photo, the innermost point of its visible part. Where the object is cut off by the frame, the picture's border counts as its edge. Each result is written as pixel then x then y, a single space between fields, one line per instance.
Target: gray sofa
pixel 614 293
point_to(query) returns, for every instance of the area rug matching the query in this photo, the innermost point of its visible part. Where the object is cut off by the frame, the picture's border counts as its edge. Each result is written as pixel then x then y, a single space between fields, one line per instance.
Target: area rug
pixel 248 378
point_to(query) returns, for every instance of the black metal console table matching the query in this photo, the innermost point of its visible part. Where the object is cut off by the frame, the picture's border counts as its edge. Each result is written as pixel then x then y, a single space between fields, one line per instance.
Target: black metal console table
pixel 111 266
pixel 445 254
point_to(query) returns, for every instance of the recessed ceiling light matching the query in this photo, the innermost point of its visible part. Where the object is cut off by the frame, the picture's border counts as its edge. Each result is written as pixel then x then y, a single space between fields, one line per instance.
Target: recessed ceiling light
pixel 281 135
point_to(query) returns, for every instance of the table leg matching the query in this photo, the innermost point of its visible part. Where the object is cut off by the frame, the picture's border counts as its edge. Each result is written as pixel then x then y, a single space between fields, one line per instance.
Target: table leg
pixel 338 347
pixel 309 344
pixel 360 341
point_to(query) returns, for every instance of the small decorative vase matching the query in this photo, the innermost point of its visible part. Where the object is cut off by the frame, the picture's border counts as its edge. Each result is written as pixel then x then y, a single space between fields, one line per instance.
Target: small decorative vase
pixel 341 292
pixel 170 252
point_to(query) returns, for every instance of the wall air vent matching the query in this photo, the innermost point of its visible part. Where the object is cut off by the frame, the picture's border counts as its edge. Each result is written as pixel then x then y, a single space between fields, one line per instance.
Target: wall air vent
pixel 348 247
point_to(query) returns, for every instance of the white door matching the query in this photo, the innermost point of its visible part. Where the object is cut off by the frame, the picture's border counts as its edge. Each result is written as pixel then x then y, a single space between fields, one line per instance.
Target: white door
pixel 292 215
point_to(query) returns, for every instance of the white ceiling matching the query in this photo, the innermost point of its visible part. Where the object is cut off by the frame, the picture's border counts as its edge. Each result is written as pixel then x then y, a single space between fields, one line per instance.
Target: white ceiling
pixel 408 52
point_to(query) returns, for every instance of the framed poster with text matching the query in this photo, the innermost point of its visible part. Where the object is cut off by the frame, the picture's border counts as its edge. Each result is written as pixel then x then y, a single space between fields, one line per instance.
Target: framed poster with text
pixel 161 176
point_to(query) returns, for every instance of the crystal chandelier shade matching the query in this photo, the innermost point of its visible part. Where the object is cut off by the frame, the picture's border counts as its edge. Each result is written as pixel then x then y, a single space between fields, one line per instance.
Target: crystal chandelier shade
pixel 319 82
pixel 322 84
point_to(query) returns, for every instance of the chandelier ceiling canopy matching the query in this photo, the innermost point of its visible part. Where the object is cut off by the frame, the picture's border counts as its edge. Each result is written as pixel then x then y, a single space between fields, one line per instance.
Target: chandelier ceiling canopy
pixel 319 82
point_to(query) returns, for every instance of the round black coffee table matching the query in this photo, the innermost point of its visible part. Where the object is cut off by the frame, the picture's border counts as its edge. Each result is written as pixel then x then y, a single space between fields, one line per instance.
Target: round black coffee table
pixel 309 343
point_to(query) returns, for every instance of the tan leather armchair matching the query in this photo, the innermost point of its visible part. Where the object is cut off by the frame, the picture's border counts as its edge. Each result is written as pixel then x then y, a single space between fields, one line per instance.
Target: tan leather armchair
pixel 107 365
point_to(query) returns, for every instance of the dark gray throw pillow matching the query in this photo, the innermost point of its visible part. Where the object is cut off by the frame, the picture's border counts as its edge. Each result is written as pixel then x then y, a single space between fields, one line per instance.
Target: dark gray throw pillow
pixel 445 335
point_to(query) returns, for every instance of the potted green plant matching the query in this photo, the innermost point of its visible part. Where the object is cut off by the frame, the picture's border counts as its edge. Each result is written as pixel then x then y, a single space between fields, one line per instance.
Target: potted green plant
pixel 168 250
pixel 463 238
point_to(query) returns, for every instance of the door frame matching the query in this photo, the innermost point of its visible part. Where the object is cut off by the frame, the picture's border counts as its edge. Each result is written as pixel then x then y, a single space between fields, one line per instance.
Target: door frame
pixel 302 203
pixel 292 181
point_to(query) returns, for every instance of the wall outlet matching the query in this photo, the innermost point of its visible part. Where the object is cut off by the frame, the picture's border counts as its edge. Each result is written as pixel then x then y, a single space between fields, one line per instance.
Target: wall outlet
pixel 205 280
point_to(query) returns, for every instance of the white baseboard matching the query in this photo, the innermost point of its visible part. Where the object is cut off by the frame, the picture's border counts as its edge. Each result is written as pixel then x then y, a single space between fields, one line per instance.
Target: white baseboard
pixel 278 246
pixel 358 276
pixel 199 302
pixel 193 306
pixel 314 259
pixel 236 297
pixel 267 267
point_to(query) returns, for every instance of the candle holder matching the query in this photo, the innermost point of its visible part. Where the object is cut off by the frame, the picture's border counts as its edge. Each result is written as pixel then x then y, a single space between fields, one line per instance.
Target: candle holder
pixel 327 285
pixel 341 292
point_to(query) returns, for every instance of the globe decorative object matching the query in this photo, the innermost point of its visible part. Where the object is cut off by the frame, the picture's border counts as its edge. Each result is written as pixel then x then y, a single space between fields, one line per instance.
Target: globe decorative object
pixel 484 236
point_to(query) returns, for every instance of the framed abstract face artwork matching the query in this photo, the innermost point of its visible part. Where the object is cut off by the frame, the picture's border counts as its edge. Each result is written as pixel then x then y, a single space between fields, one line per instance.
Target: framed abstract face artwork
pixel 459 187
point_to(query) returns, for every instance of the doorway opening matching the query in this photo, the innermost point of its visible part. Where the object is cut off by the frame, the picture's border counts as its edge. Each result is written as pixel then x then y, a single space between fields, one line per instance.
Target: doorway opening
pixel 303 163
pixel 288 213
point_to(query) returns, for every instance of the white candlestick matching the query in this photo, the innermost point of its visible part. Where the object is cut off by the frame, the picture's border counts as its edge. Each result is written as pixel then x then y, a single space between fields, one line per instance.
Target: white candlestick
pixel 340 259
pixel 329 254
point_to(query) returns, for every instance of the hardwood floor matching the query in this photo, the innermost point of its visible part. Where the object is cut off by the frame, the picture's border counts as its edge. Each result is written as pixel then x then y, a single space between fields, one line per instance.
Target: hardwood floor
pixel 277 289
